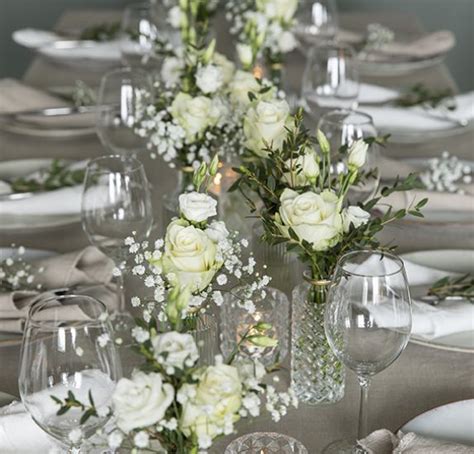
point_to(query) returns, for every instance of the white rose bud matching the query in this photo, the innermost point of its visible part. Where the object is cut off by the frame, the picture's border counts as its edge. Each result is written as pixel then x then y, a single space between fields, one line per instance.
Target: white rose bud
pixel 265 123
pixel 175 17
pixel 354 215
pixel 141 401
pixel 305 169
pixel 171 70
pixel 287 42
pixel 357 153
pixel 175 348
pixel 196 206
pixel 314 218
pixel 241 85
pixel 244 51
pixel 217 231
pixel 209 79
pixel 225 65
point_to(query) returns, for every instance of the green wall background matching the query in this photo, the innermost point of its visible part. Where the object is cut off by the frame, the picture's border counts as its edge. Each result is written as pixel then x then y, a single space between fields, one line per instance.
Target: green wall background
pixel 455 15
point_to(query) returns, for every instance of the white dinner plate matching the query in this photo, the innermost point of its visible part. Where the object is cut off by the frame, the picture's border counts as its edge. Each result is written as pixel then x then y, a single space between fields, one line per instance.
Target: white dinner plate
pixel 6 399
pixel 452 422
pixel 7 339
pixel 449 260
pixel 400 68
pixel 11 222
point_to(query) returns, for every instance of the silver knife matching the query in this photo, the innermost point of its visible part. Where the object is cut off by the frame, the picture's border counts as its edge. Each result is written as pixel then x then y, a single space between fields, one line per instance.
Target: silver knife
pixel 50 112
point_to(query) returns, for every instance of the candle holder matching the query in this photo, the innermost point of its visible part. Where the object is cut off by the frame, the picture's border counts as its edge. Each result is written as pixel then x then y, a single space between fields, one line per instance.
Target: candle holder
pixel 236 321
pixel 265 443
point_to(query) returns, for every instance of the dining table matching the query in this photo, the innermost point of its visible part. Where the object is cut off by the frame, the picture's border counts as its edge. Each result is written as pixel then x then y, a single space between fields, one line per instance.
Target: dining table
pixel 421 379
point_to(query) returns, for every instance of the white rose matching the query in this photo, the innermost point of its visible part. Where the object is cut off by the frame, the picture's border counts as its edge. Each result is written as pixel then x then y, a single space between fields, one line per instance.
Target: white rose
pixel 220 389
pixel 287 41
pixel 243 83
pixel 225 65
pixel 305 169
pixel 175 348
pixel 265 122
pixel 174 16
pixel 244 51
pixel 196 206
pixel 209 79
pixel 278 9
pixel 189 257
pixel 194 115
pixel 141 401
pixel 314 218
pixel 171 70
pixel 357 153
pixel 217 231
pixel 354 215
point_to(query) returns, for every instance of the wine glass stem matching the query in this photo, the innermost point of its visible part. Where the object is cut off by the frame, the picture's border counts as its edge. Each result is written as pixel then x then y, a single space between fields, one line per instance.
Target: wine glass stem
pixel 120 289
pixel 364 383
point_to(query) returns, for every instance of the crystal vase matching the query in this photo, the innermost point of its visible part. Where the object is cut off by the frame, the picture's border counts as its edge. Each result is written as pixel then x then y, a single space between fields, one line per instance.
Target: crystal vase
pixel 203 328
pixel 316 374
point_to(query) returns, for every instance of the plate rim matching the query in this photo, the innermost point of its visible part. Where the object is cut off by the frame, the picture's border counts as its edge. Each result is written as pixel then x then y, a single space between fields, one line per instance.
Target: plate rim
pixel 430 344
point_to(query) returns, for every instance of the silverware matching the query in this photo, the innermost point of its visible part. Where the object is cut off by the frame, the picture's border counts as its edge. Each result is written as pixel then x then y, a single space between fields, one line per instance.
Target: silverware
pixel 50 112
pixel 18 195
pixel 421 293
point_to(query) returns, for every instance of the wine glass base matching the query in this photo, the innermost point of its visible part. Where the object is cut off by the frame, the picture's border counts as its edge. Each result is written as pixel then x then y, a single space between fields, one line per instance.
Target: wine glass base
pixel 344 447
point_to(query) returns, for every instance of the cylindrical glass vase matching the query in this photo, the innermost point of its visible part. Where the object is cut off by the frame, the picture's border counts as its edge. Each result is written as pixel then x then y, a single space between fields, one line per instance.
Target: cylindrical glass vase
pixel 316 374
pixel 203 328
pixel 273 308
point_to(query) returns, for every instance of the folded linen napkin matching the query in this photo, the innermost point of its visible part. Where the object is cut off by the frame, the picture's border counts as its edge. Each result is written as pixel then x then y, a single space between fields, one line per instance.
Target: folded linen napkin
pixel 17 97
pixel 88 268
pixel 40 39
pixel 385 442
pixel 19 434
pixel 417 118
pixel 428 46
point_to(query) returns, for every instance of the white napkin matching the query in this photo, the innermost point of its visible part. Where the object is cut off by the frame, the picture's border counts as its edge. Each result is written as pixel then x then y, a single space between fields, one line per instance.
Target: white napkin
pixel 384 442
pixel 418 119
pixel 430 322
pixel 40 39
pixel 19 434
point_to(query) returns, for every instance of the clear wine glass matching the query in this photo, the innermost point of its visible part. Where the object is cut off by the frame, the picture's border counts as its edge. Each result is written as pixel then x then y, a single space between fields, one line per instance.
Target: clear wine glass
pixel 316 21
pixel 367 321
pixel 123 94
pixel 342 128
pixel 67 349
pixel 330 79
pixel 116 202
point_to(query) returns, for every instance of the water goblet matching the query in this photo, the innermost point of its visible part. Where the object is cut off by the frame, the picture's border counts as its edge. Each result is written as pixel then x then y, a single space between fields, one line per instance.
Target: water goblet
pixel 367 321
pixel 67 352
pixel 330 79
pixel 123 94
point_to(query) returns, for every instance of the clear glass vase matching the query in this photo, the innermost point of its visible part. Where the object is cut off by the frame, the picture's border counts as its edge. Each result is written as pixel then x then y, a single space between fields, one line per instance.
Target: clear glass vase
pixel 316 374
pixel 170 207
pixel 203 328
pixel 235 321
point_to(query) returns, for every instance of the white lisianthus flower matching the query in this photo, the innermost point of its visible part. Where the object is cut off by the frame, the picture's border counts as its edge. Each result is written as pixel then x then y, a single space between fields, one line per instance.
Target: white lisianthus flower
pixel 244 51
pixel 251 372
pixel 189 258
pixel 217 231
pixel 278 9
pixel 217 398
pixel 357 153
pixel 196 206
pixel 305 169
pixel 194 115
pixel 173 349
pixel 141 401
pixel 315 218
pixel 225 65
pixel 209 79
pixel 264 123
pixel 354 215
pixel 287 41
pixel 240 86
pixel 171 70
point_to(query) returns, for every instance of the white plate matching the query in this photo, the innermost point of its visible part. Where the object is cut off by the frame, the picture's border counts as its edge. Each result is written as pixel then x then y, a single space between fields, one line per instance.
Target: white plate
pixel 452 422
pixel 6 399
pixel 33 130
pixel 7 339
pixel 454 260
pixel 10 222
pixel 416 137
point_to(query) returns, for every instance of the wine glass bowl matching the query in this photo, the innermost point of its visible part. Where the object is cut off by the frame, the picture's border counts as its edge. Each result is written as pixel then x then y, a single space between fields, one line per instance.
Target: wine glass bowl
pixel 67 348
pixel 123 94
pixel 330 79
pixel 316 21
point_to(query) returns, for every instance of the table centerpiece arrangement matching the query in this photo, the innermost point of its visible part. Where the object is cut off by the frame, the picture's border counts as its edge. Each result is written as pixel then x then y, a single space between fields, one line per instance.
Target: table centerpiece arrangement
pixel 305 205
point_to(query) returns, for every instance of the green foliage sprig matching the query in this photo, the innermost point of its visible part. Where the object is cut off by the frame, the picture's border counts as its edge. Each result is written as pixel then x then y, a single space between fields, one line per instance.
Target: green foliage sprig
pixel 419 94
